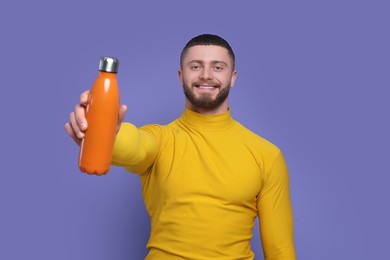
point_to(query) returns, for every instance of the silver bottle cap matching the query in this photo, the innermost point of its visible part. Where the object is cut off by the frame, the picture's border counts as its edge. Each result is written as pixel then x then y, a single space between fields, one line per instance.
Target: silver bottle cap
pixel 109 64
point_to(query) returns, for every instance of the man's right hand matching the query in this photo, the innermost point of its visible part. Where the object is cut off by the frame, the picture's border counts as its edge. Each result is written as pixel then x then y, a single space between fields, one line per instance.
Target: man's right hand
pixel 78 123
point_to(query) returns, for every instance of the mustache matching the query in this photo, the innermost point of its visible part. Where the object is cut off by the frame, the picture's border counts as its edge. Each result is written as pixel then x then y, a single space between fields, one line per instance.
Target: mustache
pixel 206 82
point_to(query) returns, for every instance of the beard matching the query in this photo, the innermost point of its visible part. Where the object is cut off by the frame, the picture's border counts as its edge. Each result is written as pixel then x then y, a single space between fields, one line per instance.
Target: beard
pixel 206 101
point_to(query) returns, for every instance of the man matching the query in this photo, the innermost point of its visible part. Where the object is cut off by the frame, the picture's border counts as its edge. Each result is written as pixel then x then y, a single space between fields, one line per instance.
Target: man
pixel 204 176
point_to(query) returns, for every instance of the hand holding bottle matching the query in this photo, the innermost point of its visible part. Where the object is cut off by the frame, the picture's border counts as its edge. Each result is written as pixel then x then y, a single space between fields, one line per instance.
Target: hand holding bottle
pixel 78 124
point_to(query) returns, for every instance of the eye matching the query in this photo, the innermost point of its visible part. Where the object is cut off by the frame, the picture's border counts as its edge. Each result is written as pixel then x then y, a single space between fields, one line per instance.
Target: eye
pixel 195 67
pixel 218 68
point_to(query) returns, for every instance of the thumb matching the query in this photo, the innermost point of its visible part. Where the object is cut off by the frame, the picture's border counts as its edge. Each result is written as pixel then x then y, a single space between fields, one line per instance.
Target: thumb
pixel 121 116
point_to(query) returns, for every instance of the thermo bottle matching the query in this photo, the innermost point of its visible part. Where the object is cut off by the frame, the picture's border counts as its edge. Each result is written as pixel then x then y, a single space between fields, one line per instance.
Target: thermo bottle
pixel 102 116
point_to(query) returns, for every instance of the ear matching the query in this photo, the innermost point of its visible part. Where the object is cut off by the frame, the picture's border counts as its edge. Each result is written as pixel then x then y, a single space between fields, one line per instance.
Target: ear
pixel 180 74
pixel 233 78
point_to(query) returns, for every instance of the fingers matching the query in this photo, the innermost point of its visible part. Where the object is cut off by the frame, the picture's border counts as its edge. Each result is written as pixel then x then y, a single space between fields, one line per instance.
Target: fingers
pixel 84 97
pixel 78 123
pixel 80 120
pixel 71 133
pixel 79 133
pixel 80 113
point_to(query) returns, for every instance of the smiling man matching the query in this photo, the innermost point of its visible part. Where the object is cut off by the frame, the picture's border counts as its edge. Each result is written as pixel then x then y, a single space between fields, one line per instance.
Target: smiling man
pixel 205 177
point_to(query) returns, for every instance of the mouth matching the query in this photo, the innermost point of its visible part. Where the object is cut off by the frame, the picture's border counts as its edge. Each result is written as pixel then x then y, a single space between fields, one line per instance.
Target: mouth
pixel 206 86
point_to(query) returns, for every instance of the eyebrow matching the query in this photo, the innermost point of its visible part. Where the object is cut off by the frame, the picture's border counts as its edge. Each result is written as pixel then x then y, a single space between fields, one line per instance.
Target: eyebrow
pixel 212 62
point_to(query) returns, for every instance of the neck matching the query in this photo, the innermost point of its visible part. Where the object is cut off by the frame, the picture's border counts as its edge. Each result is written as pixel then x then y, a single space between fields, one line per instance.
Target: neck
pixel 224 107
pixel 206 122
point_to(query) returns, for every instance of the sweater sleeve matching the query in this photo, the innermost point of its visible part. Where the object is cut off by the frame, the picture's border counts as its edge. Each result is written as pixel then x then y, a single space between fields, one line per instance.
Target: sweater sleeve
pixel 134 148
pixel 275 213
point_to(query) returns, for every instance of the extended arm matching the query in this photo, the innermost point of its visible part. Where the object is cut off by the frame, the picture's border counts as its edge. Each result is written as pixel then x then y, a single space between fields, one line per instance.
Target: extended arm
pixel 135 149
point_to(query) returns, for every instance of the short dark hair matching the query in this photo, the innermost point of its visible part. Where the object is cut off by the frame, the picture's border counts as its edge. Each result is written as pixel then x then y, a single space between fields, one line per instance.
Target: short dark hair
pixel 208 39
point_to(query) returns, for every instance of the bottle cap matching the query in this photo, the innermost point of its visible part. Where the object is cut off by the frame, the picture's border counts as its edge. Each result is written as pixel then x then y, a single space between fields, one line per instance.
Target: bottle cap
pixel 109 64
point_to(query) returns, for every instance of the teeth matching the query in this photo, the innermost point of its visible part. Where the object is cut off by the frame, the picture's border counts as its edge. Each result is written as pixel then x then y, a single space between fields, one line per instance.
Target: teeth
pixel 205 87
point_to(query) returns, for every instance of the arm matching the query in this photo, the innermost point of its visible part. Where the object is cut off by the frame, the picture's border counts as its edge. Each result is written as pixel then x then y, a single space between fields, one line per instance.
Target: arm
pixel 135 149
pixel 275 213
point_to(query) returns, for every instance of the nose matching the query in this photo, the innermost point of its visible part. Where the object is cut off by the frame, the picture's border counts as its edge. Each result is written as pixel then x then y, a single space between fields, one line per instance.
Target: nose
pixel 206 74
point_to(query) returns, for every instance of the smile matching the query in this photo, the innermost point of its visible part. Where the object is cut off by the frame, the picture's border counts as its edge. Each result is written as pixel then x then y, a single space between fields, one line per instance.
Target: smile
pixel 206 86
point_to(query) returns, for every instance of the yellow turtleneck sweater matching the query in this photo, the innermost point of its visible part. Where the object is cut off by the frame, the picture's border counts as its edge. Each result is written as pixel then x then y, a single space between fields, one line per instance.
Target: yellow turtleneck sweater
pixel 204 179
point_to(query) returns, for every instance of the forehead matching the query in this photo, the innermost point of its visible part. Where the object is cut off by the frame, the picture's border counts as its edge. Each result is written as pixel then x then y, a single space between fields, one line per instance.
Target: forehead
pixel 207 53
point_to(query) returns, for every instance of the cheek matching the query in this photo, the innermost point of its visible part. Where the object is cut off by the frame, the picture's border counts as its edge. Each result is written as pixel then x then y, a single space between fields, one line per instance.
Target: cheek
pixel 189 78
pixel 225 79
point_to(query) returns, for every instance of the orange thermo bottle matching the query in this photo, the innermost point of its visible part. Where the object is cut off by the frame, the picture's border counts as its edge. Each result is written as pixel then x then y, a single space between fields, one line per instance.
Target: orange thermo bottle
pixel 102 116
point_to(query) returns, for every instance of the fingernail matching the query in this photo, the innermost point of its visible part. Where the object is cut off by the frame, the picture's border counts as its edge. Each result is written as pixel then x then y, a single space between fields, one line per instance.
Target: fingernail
pixel 83 126
pixel 80 135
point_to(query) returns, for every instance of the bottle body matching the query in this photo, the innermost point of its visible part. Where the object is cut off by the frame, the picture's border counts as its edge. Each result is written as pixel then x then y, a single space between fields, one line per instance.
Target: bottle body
pixel 102 117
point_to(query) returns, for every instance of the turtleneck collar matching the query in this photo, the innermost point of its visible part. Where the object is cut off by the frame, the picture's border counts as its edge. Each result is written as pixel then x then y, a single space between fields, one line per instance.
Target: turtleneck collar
pixel 196 120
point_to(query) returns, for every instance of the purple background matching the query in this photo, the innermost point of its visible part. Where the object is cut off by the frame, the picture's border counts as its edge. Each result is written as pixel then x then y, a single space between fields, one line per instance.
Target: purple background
pixel 313 79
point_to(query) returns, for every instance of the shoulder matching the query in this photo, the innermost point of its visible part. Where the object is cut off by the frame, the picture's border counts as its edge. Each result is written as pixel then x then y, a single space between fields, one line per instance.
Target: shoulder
pixel 256 141
pixel 263 151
